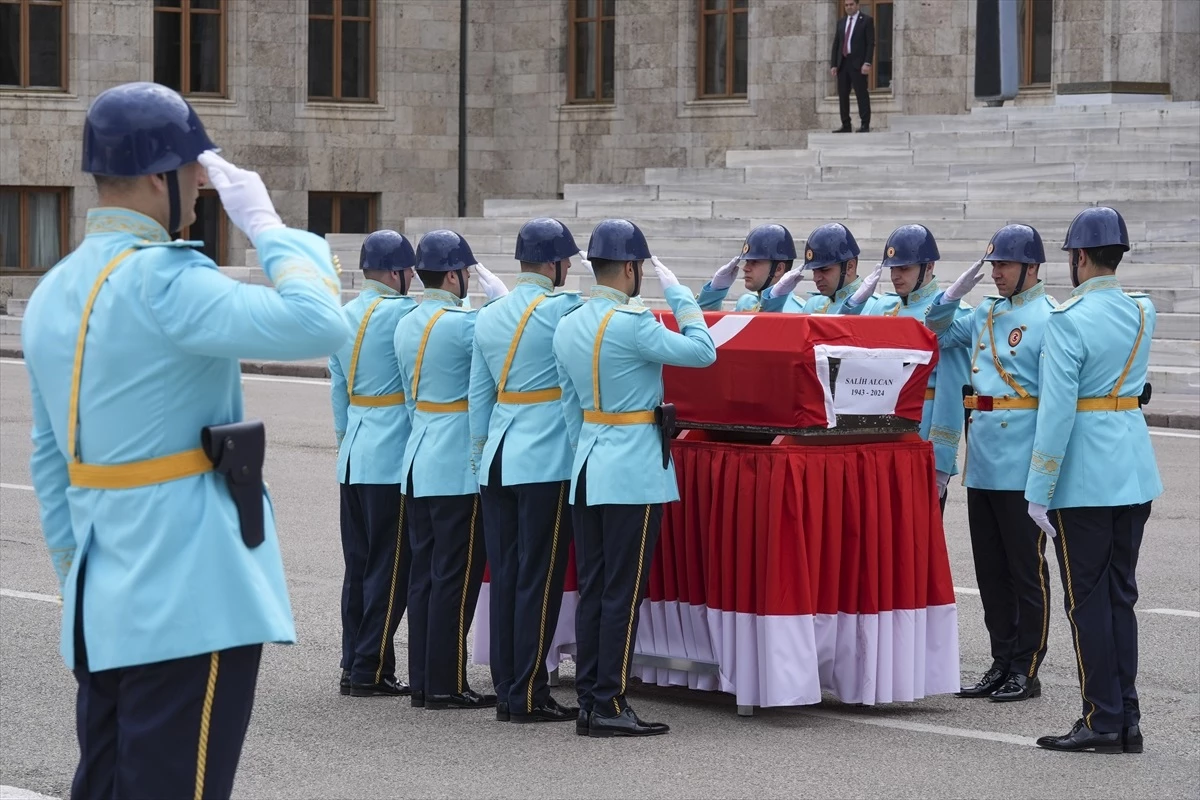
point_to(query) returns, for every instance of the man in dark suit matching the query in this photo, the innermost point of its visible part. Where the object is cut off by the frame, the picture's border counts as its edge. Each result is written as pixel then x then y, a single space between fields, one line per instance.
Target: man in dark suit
pixel 850 63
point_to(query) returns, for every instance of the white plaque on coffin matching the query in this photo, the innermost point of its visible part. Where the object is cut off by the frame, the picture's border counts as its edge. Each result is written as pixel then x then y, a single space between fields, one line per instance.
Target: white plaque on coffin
pixel 869 380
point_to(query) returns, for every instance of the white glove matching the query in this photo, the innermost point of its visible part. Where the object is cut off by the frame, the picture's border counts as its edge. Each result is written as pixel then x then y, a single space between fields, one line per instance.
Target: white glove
pixel 243 194
pixel 788 283
pixel 1039 514
pixel 866 290
pixel 965 283
pixel 665 276
pixel 723 278
pixel 943 481
pixel 493 287
pixel 586 264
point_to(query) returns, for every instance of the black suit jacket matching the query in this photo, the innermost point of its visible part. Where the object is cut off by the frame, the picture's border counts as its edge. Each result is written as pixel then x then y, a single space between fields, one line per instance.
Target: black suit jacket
pixel 862 43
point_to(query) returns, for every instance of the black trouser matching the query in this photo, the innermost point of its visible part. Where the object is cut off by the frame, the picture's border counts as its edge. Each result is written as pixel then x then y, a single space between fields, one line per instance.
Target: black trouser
pixel 448 557
pixel 1097 555
pixel 527 531
pixel 1014 581
pixel 169 729
pixel 614 545
pixel 375 583
pixel 850 76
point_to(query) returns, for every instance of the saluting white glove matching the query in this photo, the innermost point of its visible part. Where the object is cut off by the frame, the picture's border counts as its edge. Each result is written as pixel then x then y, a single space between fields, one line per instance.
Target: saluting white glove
pixel 787 284
pixel 493 287
pixel 583 260
pixel 724 277
pixel 1041 516
pixel 866 290
pixel 665 276
pixel 943 481
pixel 965 283
pixel 243 194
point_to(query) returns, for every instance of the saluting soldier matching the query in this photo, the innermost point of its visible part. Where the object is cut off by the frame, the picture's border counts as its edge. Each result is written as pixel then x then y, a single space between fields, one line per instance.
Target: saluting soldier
pixel 433 346
pixel 610 354
pixel 148 478
pixel 523 459
pixel 911 253
pixel 766 258
pixel 372 424
pixel 831 253
pixel 1004 337
pixel 1093 475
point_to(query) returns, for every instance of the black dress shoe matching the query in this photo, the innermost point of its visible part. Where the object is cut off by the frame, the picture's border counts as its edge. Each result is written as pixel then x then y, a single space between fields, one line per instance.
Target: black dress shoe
pixel 843 129
pixel 550 711
pixel 502 714
pixel 624 724
pixel 583 723
pixel 388 687
pixel 1082 738
pixel 467 699
pixel 417 699
pixel 344 687
pixel 1017 687
pixel 992 680
pixel 1131 739
pixel 865 129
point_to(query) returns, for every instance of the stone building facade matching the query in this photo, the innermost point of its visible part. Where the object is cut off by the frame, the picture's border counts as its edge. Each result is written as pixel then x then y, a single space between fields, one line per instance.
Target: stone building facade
pixel 350 108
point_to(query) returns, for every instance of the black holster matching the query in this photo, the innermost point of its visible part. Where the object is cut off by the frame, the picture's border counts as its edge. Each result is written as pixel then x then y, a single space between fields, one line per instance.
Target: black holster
pixel 1144 398
pixel 664 418
pixel 237 450
pixel 967 391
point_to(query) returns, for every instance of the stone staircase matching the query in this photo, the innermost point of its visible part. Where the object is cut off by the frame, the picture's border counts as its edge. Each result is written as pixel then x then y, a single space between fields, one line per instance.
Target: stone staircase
pixel 963 176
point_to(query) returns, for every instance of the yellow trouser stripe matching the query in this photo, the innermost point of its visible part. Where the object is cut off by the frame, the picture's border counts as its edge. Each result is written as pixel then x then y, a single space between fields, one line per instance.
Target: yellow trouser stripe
pixel 929 393
pixel 462 606
pixel 1107 404
pixel 1066 562
pixel 1045 602
pixel 619 417
pixel 377 401
pixel 972 402
pixel 139 473
pixel 637 586
pixel 387 619
pixel 540 655
pixel 205 717
pixel 529 398
pixel 455 407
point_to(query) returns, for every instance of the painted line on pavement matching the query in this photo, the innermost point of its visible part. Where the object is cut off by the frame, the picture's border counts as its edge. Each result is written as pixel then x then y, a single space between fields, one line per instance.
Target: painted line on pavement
pixel 22 487
pixel 921 727
pixel 42 598
pixel 965 590
pixel 273 379
pixel 1174 434
pixel 1174 612
pixel 17 793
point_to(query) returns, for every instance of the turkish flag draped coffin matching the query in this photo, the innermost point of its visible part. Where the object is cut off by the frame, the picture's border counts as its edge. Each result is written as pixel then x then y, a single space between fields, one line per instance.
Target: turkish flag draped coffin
pixel 774 370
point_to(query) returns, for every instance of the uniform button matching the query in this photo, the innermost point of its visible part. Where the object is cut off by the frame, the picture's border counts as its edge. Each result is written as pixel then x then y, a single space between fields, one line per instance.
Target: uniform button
pixel 1003 424
pixel 1024 328
pixel 228 443
pixel 1012 352
pixel 982 346
pixel 974 369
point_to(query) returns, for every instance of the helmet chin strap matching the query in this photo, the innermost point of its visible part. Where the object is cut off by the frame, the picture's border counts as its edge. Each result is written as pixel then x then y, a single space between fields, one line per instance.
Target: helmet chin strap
pixel 403 282
pixel 1075 268
pixel 174 215
pixel 918 284
pixel 462 283
pixel 637 280
pixel 558 276
pixel 777 270
pixel 1020 287
pixel 841 279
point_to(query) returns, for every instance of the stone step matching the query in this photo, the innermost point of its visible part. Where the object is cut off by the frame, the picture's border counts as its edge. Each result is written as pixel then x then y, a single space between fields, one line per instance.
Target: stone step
pixel 1174 380
pixel 1178 326
pixel 677 175
pixel 16 306
pixel 1174 352
pixel 1024 137
pixel 10 326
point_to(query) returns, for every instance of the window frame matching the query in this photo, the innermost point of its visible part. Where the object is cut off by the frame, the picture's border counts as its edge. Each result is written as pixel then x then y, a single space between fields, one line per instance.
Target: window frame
pixel 1027 38
pixel 64 228
pixel 336 215
pixel 573 19
pixel 185 10
pixel 23 36
pixel 702 50
pixel 222 229
pixel 336 56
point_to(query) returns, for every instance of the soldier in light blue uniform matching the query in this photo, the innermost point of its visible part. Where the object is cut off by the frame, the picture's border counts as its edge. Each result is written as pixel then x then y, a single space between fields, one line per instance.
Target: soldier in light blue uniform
pixel 372 423
pixel 911 254
pixel 610 355
pixel 523 460
pixel 831 253
pixel 1004 337
pixel 768 253
pixel 148 479
pixel 433 345
pixel 1093 475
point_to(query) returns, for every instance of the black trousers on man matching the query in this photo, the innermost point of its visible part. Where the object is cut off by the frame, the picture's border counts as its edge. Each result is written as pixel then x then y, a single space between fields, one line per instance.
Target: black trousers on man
pixel 168 729
pixel 1014 581
pixel 375 583
pixel 527 530
pixel 614 545
pixel 850 76
pixel 1097 555
pixel 448 557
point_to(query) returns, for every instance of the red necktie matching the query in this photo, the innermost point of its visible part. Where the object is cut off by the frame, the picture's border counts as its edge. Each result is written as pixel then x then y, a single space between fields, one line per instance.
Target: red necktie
pixel 846 38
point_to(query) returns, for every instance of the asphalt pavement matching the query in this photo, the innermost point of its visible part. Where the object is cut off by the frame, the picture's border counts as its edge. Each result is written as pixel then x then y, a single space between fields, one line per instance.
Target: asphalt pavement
pixel 307 741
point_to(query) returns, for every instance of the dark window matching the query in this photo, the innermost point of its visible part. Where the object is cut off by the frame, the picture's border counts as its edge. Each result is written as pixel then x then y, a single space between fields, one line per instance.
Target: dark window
pixel 591 51
pixel 722 40
pixel 33 44
pixel 341 50
pixel 210 227
pixel 189 45
pixel 340 212
pixel 1037 27
pixel 33 227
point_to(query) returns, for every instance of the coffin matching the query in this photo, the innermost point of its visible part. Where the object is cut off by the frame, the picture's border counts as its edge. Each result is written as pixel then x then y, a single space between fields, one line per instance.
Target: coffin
pixel 797 374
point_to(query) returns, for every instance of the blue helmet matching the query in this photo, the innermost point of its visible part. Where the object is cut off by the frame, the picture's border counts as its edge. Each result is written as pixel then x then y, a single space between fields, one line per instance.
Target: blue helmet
pixel 141 129
pixel 1018 243
pixel 910 245
pixel 829 244
pixel 443 251
pixel 618 240
pixel 769 242
pixel 544 241
pixel 1099 226
pixel 386 250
